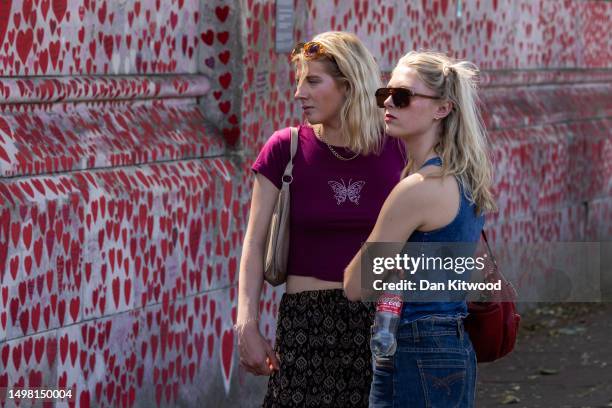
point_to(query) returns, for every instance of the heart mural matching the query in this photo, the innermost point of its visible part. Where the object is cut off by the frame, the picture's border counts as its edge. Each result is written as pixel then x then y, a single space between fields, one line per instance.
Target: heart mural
pixel 132 268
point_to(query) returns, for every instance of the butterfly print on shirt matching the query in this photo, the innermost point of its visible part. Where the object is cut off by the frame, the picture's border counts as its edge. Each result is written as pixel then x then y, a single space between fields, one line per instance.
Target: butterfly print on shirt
pixel 342 191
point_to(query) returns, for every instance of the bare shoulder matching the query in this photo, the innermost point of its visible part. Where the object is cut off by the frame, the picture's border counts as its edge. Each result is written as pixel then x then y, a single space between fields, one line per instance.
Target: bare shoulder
pixel 426 187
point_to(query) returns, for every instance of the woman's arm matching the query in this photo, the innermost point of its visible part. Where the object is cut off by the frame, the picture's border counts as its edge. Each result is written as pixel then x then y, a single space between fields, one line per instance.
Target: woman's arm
pixel 250 277
pixel 401 214
pixel 253 348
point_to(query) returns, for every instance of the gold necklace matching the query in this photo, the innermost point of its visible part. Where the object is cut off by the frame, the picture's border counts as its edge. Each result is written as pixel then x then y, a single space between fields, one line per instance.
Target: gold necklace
pixel 335 153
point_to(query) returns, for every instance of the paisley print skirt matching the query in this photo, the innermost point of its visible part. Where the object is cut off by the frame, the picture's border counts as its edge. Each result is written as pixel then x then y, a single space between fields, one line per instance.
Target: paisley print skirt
pixel 323 343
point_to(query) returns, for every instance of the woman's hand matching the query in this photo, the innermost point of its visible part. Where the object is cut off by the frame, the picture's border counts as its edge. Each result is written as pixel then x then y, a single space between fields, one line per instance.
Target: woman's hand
pixel 256 354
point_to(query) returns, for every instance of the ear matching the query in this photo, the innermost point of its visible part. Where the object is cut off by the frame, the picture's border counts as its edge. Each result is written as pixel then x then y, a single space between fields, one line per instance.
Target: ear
pixel 443 110
pixel 344 87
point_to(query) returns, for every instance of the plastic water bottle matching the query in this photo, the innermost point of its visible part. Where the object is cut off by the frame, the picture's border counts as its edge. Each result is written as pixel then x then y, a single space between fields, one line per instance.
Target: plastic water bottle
pixel 388 310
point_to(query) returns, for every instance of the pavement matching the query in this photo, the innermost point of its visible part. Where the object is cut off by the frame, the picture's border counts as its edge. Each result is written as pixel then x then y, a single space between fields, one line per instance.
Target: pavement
pixel 563 358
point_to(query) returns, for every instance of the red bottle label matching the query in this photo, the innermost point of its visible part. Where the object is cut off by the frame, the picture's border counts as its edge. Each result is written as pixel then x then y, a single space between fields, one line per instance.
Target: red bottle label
pixel 389 302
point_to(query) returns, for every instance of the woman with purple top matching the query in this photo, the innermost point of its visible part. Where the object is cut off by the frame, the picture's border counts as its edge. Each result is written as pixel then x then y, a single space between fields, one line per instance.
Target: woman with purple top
pixel 430 103
pixel 343 170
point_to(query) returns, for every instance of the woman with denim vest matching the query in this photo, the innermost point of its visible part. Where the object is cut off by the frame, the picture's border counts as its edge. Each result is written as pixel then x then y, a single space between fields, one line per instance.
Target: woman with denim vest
pixel 431 104
pixel 343 170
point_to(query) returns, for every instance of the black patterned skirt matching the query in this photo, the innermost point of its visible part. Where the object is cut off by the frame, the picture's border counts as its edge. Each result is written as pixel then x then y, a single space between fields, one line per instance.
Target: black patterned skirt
pixel 323 341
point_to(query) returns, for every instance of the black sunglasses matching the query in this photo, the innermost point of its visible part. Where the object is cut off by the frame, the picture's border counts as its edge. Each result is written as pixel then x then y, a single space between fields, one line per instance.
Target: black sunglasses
pixel 399 96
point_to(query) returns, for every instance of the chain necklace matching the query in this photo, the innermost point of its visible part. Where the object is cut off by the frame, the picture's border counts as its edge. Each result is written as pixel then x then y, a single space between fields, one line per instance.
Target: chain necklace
pixel 334 152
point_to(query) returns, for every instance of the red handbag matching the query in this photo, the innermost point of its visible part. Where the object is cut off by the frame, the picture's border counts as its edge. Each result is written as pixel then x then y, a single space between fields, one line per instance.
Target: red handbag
pixel 493 325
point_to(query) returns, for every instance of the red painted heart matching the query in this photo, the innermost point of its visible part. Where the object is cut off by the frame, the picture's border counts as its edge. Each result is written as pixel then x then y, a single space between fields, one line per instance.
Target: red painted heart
pixel 59 9
pixel 17 356
pixel 224 57
pixel 5 13
pixel 24 44
pixel 227 353
pixel 116 289
pixel 223 37
pixel 208 37
pixel 222 13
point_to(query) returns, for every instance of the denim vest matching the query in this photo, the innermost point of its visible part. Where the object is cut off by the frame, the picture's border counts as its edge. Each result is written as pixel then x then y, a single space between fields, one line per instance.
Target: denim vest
pixel 465 227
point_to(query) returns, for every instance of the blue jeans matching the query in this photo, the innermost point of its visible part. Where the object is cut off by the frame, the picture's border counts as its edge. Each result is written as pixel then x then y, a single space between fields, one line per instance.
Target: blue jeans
pixel 434 366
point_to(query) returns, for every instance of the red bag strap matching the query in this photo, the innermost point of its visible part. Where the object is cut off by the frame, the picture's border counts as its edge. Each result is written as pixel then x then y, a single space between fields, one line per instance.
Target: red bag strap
pixel 505 283
pixel 486 240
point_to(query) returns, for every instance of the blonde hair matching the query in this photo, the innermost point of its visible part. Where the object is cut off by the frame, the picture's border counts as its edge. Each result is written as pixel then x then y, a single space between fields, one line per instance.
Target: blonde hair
pixel 350 62
pixel 463 144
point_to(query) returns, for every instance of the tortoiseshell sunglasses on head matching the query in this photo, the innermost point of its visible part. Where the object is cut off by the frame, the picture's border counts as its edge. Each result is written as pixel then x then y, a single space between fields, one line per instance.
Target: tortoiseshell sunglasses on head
pixel 310 49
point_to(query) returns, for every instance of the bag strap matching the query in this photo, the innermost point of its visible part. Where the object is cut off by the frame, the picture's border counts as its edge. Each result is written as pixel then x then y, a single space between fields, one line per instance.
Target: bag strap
pixel 484 235
pixel 289 169
pixel 505 281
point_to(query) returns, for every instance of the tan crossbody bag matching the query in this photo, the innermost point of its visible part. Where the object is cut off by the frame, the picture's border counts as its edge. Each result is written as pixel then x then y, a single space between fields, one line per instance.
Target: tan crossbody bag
pixel 276 253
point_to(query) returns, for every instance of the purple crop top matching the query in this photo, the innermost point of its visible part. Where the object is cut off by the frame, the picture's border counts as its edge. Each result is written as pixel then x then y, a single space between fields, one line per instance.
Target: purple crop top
pixel 334 203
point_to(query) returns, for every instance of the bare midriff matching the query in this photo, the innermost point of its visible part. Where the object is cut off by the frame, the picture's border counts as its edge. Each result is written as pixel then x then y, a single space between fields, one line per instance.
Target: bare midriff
pixel 297 284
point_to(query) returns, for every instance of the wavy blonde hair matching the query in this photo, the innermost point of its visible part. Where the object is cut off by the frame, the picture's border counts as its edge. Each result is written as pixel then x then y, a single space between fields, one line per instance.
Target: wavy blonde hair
pixel 350 63
pixel 463 144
